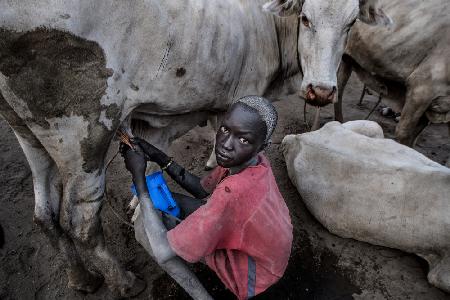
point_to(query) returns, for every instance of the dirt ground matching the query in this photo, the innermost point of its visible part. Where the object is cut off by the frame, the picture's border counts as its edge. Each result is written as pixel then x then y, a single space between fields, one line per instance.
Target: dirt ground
pixel 322 266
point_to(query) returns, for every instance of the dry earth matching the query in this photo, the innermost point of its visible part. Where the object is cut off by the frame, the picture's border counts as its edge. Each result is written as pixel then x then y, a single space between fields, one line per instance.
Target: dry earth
pixel 322 266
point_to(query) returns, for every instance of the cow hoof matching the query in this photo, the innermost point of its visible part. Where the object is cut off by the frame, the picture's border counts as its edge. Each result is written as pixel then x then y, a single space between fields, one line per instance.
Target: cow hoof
pixel 132 206
pixel 387 112
pixel 88 282
pixel 136 287
pixel 211 163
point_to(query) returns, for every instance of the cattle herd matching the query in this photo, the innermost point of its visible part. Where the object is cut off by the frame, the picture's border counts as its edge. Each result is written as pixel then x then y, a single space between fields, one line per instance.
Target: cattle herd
pixel 72 72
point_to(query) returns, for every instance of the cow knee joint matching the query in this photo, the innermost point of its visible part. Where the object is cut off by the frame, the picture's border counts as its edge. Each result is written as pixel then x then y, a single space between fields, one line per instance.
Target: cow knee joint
pixel 84 232
pixel 44 217
pixel 86 235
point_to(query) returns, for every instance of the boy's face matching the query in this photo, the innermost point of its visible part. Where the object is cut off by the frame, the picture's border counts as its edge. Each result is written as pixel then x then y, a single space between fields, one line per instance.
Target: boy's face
pixel 240 137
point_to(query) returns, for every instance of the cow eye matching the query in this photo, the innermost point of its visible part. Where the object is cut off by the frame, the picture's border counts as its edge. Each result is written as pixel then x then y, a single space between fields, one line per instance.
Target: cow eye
pixel 305 21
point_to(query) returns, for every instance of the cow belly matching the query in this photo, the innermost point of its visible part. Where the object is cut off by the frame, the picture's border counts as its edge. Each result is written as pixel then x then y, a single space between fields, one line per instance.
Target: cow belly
pixel 161 130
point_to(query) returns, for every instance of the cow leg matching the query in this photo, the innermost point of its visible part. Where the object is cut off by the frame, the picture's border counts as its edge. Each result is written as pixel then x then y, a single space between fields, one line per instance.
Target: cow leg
pixel 439 274
pixel 59 91
pixel 421 125
pixel 78 145
pixel 426 84
pixel 47 192
pixel 214 122
pixel 412 122
pixel 344 72
pixel 212 162
pixel 80 217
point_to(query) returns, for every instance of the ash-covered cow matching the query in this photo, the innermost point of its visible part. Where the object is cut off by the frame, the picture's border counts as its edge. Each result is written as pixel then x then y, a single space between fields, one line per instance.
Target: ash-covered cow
pixel 72 71
pixel 339 169
pixel 407 58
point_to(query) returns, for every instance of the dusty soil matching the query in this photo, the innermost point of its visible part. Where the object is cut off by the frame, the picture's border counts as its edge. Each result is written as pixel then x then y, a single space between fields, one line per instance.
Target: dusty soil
pixel 322 266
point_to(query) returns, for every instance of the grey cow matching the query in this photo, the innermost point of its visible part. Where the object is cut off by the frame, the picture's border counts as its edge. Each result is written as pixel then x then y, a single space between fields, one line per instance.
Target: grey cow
pixel 407 60
pixel 72 71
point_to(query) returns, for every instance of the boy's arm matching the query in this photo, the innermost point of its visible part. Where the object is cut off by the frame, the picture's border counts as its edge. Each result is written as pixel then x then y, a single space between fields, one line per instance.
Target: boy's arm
pixel 185 179
pixel 154 228
pixel 156 233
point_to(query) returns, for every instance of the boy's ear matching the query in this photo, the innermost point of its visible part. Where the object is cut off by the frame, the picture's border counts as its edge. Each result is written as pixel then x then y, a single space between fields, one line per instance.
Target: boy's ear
pixel 264 146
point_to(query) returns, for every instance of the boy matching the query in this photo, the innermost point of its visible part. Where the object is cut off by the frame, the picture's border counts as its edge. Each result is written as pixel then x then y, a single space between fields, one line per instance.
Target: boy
pixel 243 232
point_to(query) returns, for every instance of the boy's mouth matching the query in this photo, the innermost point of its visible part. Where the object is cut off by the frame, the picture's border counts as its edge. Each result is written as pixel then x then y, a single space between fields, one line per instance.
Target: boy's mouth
pixel 221 156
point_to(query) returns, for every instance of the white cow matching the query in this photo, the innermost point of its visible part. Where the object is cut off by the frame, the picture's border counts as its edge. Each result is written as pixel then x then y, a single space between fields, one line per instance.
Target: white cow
pixel 339 169
pixel 71 71
pixel 408 60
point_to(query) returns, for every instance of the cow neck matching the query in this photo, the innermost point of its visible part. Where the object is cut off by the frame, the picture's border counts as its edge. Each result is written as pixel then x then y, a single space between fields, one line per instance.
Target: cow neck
pixel 287 36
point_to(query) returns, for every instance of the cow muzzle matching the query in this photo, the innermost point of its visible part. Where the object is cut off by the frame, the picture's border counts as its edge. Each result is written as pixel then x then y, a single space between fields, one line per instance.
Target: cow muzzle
pixel 319 95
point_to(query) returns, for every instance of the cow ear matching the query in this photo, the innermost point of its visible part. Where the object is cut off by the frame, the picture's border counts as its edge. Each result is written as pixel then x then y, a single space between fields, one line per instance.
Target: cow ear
pixel 369 13
pixel 283 8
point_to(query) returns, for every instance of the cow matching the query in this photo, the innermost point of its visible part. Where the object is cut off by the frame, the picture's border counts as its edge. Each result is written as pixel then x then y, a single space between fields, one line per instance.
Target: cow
pixel 408 60
pixel 339 169
pixel 71 72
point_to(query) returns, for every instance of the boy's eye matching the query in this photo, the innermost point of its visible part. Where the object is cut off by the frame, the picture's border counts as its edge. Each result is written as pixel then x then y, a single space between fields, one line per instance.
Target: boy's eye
pixel 223 129
pixel 243 140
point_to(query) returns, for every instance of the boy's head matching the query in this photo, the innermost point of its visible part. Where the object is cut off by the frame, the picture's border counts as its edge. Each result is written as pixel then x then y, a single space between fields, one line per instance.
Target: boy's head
pixel 245 130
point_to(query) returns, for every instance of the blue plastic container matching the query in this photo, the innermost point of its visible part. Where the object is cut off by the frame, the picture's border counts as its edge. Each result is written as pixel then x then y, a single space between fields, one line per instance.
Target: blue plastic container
pixel 159 193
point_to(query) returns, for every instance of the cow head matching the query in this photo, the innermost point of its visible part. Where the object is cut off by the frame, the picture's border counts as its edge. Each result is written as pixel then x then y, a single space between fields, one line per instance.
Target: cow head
pixel 322 38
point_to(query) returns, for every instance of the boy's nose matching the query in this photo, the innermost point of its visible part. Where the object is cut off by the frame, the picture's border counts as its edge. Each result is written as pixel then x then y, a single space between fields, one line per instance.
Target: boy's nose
pixel 228 144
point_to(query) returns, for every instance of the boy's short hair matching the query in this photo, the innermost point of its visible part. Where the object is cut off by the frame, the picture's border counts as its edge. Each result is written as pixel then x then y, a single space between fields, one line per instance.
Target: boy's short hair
pixel 265 110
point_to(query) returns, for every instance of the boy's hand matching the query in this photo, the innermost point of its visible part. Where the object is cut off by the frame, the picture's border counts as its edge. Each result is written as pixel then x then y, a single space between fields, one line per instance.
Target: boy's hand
pixel 151 152
pixel 135 163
